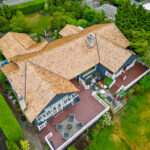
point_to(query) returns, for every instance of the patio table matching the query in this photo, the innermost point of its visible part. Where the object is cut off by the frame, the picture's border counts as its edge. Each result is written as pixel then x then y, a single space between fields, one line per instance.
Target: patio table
pixel 69 127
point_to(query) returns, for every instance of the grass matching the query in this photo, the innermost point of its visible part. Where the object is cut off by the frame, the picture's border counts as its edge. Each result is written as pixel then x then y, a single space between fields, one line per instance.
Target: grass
pixel 131 130
pixel 37 22
pixel 8 122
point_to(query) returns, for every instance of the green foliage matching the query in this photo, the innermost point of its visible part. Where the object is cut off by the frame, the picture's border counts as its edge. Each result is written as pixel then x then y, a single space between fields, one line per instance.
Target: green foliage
pixel 106 120
pixel 46 147
pixel 117 2
pixel 95 131
pixel 108 81
pixel 8 11
pixel 3 21
pixel 38 37
pixel 145 82
pixel 134 22
pixel 29 7
pixel 58 20
pixel 72 147
pixel 8 122
pixel 25 144
pixel 2 78
pixel 136 90
pixel 46 6
pixel 18 23
pixel 12 145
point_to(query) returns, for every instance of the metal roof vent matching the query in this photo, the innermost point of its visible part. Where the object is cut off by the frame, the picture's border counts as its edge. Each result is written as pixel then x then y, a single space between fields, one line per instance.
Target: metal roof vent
pixel 91 40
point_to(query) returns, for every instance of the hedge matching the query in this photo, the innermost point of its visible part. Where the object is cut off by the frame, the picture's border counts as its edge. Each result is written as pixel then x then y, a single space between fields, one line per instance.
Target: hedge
pixel 8 122
pixel 29 7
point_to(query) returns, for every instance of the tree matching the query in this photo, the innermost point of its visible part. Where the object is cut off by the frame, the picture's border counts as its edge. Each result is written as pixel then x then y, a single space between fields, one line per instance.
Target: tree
pixel 58 20
pixel 46 6
pixel 25 144
pixel 3 21
pixel 18 23
pixel 145 82
pixel 7 11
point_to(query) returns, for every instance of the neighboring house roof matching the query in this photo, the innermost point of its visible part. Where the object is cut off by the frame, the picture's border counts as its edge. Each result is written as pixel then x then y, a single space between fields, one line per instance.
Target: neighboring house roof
pixel 50 69
pixel 69 30
pixel 13 44
pixel 109 10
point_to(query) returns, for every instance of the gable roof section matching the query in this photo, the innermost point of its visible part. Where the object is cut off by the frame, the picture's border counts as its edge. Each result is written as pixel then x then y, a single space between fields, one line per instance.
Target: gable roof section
pixel 37 86
pixel 37 46
pixel 10 68
pixel 14 44
pixel 23 39
pixel 10 47
pixel 69 30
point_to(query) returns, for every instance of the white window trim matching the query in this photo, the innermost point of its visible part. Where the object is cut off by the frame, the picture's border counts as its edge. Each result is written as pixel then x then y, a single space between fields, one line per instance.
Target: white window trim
pixel 90 72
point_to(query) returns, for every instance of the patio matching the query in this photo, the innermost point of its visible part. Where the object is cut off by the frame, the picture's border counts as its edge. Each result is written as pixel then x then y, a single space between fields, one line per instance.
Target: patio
pixel 85 111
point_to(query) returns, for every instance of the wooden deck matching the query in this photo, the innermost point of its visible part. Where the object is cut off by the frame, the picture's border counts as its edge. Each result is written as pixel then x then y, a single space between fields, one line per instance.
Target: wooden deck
pixel 85 110
pixel 133 73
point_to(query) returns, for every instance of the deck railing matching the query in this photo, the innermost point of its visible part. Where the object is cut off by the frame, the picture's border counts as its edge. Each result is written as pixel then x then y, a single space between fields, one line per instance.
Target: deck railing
pixel 83 83
pixel 99 100
pixel 83 129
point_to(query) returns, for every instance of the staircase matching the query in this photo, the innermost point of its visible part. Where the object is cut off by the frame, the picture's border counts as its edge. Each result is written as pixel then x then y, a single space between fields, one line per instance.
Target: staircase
pixel 43 133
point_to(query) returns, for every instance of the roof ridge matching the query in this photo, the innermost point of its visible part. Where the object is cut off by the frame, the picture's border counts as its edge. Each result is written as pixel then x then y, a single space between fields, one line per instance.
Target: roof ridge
pixel 47 70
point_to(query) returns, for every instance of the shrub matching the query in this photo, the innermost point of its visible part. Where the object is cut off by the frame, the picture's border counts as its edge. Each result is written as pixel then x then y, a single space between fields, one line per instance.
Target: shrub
pixel 30 7
pixel 72 147
pixel 8 122
pixel 106 120
pixel 11 145
pixel 145 82
pixel 25 144
pixel 108 81
pixel 2 78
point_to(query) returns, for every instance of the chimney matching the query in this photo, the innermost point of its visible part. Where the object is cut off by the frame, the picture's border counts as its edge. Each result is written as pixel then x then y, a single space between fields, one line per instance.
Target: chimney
pixel 91 40
pixel 22 103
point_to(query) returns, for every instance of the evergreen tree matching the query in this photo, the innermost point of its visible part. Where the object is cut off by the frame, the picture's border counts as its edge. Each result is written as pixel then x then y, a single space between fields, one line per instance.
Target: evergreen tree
pixel 18 23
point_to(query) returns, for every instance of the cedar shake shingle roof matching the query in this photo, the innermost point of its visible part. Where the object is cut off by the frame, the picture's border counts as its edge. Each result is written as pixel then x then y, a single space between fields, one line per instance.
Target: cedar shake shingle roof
pixel 41 87
pixel 14 44
pixel 50 69
pixel 69 30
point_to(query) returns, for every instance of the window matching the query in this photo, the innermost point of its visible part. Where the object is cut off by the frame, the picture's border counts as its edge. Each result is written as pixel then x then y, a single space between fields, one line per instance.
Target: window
pixel 48 113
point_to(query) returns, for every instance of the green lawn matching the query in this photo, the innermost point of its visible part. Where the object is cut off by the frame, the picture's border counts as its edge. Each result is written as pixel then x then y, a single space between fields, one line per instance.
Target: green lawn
pixel 8 122
pixel 38 22
pixel 131 130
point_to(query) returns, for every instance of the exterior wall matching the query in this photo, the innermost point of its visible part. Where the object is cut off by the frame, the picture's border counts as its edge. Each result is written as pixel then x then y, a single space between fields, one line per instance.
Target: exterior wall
pixel 99 68
pixel 102 69
pixel 129 61
pixel 56 100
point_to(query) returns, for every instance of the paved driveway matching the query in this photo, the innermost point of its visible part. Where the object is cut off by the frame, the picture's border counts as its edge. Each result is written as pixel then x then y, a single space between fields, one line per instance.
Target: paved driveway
pixel 15 2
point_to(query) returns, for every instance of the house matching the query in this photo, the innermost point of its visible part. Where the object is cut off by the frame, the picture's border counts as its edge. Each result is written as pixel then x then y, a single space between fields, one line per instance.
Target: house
pixel 57 80
pixel 109 10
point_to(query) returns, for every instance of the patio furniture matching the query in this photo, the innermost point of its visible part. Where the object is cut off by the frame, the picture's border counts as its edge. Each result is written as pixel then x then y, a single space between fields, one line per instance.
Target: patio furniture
pixel 71 118
pixel 104 86
pixel 59 127
pixel 66 136
pixel 93 81
pixel 109 98
pixel 79 125
pixel 102 91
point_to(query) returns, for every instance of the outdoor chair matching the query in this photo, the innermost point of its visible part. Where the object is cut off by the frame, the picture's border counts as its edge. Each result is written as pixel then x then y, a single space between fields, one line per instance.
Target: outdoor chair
pixel 59 127
pixel 71 118
pixel 66 136
pixel 79 125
